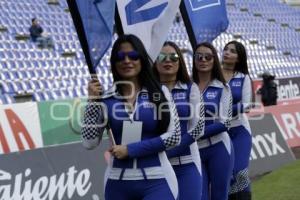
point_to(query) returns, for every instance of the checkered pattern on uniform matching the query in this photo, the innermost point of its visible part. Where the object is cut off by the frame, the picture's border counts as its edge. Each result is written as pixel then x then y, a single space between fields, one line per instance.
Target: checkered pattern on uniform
pixel 241 181
pixel 227 122
pixel 175 137
pixel 198 131
pixel 92 116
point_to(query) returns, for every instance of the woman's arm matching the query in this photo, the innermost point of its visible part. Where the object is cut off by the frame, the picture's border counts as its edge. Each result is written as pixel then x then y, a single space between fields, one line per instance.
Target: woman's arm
pixel 165 141
pixel 196 122
pixel 245 103
pixel 93 125
pixel 225 115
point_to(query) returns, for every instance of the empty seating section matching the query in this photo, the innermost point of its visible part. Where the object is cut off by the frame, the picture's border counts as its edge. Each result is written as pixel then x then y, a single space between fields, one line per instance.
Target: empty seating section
pixel 273 27
pixel 267 28
pixel 45 73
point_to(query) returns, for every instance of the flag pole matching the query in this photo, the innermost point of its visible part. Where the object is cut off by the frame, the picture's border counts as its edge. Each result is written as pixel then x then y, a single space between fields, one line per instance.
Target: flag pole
pixel 85 46
pixel 118 23
pixel 81 35
pixel 188 25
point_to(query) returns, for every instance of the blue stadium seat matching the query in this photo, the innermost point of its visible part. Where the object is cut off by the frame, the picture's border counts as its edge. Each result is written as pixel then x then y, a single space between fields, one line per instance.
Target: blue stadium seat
pixel 37 96
pixel 40 69
pixel 6 87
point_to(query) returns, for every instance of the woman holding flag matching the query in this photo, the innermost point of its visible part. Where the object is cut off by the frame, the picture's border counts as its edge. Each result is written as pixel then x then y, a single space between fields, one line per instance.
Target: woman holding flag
pixel 215 146
pixel 144 123
pixel 171 71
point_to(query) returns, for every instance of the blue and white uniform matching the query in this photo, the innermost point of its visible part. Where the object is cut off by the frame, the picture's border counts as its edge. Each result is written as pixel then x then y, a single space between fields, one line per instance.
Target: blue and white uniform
pixel 147 173
pixel 215 146
pixel 185 158
pixel 240 132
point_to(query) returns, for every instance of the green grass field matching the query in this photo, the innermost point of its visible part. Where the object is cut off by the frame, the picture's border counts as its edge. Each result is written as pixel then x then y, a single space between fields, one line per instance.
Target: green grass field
pixel 281 184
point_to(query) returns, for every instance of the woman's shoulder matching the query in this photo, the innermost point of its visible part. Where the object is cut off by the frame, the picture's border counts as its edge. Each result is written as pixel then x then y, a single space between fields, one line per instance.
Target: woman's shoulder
pixel 240 75
pixel 218 84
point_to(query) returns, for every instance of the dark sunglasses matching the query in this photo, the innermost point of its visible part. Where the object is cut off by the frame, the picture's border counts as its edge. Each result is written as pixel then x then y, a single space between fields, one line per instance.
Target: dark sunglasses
pixel 203 57
pixel 132 55
pixel 162 57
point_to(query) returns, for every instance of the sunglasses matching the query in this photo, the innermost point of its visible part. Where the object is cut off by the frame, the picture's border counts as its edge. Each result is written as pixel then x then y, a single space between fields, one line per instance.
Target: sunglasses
pixel 162 57
pixel 203 57
pixel 132 55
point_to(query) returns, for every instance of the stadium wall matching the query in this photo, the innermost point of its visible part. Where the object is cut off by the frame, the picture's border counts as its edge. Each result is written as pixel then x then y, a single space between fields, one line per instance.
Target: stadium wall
pixel 40 144
pixel 293 2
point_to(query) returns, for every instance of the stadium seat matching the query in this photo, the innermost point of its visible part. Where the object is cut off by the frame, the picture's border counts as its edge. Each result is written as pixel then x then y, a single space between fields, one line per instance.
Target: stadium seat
pixel 42 70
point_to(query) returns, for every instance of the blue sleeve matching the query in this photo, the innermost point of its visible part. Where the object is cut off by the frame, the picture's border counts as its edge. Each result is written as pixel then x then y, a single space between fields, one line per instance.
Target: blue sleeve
pixel 186 140
pixel 237 109
pixel 213 129
pixel 145 147
pixel 167 140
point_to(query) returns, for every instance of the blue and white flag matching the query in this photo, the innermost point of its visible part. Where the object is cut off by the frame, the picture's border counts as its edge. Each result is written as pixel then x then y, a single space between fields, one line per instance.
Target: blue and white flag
pixel 208 18
pixel 94 20
pixel 150 20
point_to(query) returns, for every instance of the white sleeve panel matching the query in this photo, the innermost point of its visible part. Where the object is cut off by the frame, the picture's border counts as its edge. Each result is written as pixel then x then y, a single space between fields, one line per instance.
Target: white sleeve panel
pixel 197 120
pixel 225 109
pixel 172 137
pixel 247 93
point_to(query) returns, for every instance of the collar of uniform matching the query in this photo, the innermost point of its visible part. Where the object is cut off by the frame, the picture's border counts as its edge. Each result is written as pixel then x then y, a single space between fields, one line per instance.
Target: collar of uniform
pixel 238 75
pixel 143 90
pixel 216 83
pixel 180 85
pixel 112 91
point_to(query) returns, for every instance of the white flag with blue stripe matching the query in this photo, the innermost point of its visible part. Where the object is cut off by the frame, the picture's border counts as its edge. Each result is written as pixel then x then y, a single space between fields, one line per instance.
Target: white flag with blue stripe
pixel 150 20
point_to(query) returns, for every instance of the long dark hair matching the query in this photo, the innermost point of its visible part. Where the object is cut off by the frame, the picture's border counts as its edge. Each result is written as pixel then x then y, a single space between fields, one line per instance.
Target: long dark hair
pixel 146 77
pixel 182 74
pixel 241 65
pixel 216 70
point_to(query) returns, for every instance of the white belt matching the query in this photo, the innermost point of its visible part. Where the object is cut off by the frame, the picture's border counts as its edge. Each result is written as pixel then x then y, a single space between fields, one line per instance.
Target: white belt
pixel 181 160
pixel 211 140
pixel 136 174
pixel 242 120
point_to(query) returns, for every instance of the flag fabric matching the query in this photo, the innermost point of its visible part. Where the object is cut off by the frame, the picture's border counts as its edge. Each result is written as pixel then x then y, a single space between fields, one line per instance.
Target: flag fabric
pixel 149 20
pixel 94 20
pixel 207 18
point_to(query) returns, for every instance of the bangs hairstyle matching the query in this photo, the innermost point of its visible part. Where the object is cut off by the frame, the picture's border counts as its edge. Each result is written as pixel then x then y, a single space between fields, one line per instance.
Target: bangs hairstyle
pixel 216 70
pixel 241 65
pixel 146 77
pixel 182 74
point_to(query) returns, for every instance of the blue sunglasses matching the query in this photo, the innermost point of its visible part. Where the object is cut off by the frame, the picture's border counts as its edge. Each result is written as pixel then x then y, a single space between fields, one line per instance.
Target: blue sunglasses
pixel 132 55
